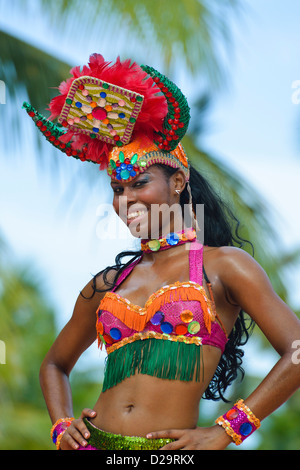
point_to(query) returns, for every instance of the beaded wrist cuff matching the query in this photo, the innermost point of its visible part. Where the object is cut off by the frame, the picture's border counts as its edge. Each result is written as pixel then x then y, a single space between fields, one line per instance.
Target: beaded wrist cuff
pixel 58 430
pixel 239 422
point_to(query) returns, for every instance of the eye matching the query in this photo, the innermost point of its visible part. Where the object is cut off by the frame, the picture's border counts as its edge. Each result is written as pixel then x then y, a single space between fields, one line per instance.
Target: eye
pixel 117 190
pixel 137 184
pixel 140 182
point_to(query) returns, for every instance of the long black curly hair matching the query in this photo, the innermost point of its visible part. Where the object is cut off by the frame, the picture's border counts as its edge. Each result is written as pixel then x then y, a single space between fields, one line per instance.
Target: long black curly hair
pixel 221 228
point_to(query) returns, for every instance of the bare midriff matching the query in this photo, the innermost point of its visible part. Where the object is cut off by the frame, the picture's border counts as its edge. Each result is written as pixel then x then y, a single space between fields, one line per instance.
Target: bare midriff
pixel 141 403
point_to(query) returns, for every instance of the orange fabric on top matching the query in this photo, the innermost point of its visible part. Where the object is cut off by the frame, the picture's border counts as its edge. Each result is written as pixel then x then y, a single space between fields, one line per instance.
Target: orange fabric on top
pixel 137 317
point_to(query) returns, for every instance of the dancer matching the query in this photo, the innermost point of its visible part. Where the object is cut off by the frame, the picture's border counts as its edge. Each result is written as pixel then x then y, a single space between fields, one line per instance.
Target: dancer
pixel 172 317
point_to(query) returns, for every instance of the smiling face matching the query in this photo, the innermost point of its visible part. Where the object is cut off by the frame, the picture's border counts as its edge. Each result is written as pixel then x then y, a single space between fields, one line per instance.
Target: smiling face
pixel 148 204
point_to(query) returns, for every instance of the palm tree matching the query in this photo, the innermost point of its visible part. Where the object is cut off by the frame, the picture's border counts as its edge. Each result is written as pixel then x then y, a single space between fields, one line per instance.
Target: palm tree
pixel 189 35
pixel 27 329
pixel 181 34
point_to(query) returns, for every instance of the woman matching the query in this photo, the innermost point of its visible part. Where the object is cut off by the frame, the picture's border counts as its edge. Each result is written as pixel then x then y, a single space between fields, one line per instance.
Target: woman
pixel 171 318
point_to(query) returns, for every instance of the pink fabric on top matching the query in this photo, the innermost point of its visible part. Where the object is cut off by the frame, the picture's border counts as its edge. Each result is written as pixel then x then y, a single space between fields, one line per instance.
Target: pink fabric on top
pixel 171 311
pixel 195 261
pixel 126 272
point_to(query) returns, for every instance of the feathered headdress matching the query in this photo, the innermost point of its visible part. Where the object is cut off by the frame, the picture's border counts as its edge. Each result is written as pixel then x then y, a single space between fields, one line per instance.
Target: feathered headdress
pixel 119 115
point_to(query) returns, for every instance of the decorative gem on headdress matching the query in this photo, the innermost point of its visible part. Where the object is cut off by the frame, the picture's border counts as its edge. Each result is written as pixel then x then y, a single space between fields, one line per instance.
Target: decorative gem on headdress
pixel 136 157
pixel 124 168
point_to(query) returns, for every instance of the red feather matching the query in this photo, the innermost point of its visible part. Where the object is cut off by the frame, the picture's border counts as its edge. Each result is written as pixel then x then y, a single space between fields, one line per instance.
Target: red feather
pixel 126 75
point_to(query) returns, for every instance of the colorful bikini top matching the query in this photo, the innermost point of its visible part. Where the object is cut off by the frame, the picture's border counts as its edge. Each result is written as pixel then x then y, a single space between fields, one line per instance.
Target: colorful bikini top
pixel 165 337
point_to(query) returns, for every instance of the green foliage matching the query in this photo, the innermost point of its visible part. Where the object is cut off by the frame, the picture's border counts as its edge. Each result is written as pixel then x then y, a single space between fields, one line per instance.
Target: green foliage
pixel 22 64
pixel 280 431
pixel 27 328
pixel 179 34
pixel 187 31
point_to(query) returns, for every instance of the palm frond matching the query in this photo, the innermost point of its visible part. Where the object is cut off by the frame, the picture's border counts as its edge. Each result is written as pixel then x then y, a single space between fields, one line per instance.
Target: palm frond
pixel 28 74
pixel 186 33
pixel 23 66
pixel 177 31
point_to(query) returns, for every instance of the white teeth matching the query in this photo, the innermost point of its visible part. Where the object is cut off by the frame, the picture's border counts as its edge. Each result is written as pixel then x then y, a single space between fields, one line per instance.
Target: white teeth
pixel 135 214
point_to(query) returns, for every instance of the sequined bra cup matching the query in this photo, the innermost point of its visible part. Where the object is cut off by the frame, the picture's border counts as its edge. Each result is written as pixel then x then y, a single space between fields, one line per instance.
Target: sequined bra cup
pixel 165 337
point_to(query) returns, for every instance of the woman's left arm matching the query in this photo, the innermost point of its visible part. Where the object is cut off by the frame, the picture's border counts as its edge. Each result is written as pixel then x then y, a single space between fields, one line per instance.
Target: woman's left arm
pixel 248 286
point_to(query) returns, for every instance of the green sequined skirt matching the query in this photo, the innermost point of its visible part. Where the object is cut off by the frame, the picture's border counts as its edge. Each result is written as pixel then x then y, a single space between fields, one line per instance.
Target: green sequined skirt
pixel 102 440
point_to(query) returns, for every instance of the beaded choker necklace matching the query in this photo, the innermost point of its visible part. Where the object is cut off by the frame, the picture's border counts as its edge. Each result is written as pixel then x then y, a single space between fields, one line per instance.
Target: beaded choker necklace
pixel 172 239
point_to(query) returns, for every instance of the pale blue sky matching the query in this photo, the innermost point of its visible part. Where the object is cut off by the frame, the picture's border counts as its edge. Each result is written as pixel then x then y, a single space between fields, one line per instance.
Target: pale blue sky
pixel 253 126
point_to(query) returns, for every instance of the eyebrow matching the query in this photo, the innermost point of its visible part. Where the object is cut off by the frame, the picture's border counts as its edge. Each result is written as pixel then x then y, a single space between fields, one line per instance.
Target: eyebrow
pixel 141 174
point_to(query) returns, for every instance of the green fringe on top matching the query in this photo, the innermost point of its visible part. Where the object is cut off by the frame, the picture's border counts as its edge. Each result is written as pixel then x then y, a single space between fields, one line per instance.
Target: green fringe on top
pixel 160 358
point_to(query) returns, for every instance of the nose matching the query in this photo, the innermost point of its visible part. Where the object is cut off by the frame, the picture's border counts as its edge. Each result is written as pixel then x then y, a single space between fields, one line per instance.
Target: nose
pixel 129 192
pixel 129 195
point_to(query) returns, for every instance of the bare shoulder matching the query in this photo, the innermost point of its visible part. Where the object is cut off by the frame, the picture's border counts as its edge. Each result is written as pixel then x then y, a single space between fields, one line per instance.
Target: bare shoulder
pixel 232 259
pixel 82 322
pixel 242 277
pixel 238 272
pixel 97 287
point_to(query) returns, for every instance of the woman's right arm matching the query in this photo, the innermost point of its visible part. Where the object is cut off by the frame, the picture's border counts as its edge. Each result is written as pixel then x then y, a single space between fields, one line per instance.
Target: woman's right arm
pixel 78 334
